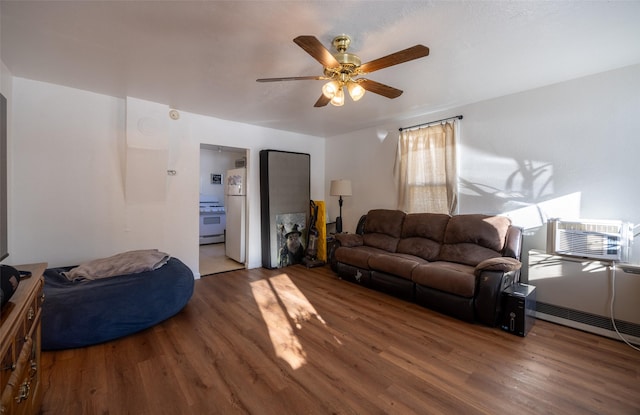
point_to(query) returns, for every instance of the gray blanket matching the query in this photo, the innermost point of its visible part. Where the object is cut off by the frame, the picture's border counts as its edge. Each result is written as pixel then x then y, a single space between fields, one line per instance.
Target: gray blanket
pixel 130 262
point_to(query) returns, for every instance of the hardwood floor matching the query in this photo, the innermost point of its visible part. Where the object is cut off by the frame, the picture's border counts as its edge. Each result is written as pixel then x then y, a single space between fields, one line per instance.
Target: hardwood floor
pixel 300 341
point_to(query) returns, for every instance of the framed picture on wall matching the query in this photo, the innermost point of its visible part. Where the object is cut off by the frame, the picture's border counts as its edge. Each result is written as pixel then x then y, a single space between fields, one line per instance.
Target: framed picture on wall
pixel 216 178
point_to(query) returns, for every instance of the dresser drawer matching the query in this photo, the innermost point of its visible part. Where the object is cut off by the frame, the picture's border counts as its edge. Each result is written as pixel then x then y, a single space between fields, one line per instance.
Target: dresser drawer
pixel 16 394
pixel 7 365
pixel 20 389
pixel 34 309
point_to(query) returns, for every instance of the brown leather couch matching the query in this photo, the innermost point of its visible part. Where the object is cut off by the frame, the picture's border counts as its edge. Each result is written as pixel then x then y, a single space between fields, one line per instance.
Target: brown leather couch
pixel 457 265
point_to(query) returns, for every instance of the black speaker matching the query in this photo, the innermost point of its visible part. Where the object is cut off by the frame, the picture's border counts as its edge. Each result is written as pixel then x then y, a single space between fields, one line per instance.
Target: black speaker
pixel 9 280
pixel 518 309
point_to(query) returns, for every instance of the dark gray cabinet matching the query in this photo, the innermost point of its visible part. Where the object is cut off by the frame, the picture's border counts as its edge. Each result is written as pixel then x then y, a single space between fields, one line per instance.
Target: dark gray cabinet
pixel 284 206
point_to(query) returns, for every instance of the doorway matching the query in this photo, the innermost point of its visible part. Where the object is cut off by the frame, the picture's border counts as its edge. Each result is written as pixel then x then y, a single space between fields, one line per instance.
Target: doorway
pixel 215 162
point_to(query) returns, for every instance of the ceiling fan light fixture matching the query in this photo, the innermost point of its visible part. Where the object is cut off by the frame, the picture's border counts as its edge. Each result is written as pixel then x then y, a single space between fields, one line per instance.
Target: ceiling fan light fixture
pixel 356 91
pixel 338 98
pixel 330 89
pixel 342 69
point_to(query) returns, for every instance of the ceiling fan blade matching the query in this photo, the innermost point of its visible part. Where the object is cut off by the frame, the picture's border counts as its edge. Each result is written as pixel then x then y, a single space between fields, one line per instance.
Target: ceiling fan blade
pixel 380 89
pixel 322 101
pixel 291 78
pixel 313 47
pixel 409 54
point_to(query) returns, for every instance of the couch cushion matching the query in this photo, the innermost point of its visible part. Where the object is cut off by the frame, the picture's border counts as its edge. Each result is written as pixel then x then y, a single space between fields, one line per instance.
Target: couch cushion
pixel 349 239
pixel 420 247
pixel 422 234
pixel 449 277
pixel 357 256
pixel 395 264
pixel 385 221
pixel 470 239
pixel 425 225
pixel 382 229
pixel 380 241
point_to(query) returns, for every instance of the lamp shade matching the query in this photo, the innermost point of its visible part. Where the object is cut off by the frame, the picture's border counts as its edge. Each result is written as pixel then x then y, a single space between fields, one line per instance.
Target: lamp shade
pixel 355 90
pixel 340 188
pixel 330 88
pixel 338 98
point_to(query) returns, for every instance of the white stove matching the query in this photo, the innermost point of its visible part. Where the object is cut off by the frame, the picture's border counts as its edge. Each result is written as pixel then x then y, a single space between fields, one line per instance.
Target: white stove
pixel 211 208
pixel 213 221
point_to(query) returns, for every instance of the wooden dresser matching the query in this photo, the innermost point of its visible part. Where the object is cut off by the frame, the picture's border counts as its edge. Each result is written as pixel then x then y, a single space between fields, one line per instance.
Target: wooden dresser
pixel 20 345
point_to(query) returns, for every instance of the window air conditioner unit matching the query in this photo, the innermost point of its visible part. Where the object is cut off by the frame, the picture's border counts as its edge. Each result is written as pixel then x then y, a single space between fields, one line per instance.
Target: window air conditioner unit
pixel 608 240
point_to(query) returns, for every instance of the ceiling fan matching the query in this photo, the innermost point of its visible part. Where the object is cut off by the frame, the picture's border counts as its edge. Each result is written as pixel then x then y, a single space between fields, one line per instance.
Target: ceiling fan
pixel 343 70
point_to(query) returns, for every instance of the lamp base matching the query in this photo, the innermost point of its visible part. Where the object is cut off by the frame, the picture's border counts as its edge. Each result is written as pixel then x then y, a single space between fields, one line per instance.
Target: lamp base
pixel 339 224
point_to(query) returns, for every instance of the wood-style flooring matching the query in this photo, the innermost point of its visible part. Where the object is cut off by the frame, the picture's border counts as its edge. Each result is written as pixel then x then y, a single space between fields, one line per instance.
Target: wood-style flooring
pixel 301 341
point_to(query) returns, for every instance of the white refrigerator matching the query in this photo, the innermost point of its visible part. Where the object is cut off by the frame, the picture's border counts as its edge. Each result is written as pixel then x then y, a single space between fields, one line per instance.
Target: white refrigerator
pixel 235 203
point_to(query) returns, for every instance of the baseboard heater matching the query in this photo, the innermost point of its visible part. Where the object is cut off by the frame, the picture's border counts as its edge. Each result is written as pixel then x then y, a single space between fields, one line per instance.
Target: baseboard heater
pixel 576 292
pixel 588 322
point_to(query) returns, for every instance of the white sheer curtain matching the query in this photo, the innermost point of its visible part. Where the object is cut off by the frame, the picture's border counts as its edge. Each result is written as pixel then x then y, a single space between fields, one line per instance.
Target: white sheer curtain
pixel 425 169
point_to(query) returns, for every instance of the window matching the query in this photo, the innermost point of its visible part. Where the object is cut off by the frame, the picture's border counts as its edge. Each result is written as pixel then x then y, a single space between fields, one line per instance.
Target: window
pixel 425 169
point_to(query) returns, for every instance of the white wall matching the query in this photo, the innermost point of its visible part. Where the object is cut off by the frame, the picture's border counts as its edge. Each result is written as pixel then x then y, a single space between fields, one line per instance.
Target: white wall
pixel 365 157
pixel 68 167
pixel 67 199
pixel 567 148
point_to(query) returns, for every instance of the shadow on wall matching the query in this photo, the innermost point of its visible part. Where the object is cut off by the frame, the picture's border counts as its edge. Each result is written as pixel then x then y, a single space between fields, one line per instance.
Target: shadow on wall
pixel 525 186
pixel 526 197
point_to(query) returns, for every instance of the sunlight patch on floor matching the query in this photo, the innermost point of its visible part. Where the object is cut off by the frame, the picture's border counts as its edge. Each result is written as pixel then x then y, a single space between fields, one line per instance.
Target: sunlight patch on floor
pixel 296 304
pixel 284 309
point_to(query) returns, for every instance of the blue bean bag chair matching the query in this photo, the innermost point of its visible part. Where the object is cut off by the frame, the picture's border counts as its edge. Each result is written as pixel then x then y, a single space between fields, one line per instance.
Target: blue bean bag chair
pixel 84 312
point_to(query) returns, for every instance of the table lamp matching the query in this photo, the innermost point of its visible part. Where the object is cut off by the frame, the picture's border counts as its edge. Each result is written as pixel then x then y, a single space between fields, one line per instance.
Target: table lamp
pixel 340 188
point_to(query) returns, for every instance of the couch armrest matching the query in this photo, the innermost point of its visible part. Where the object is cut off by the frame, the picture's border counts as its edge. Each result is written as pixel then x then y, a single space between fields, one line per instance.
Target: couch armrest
pixel 503 264
pixel 342 239
pixel 513 245
pixel 349 239
pixel 494 276
pixel 488 301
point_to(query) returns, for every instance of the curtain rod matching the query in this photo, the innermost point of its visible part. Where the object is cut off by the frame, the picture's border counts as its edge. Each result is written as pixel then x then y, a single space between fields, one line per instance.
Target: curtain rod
pixel 430 122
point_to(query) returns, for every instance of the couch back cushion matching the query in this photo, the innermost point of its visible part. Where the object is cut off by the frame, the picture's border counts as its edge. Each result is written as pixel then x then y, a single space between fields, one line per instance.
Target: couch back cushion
pixel 423 234
pixel 470 239
pixel 382 229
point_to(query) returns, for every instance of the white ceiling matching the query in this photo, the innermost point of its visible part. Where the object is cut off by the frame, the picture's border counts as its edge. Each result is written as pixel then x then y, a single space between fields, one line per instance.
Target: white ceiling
pixel 204 56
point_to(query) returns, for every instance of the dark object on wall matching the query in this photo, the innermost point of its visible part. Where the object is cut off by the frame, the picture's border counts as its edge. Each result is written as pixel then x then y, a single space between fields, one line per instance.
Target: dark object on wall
pixel 9 280
pixel 284 202
pixel 518 309
pixel 85 312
